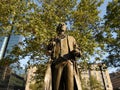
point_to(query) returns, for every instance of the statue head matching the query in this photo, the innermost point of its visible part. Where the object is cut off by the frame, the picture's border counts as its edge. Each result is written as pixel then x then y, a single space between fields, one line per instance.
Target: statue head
pixel 61 28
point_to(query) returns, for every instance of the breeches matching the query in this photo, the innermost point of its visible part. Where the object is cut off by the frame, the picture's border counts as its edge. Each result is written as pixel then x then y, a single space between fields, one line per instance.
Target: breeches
pixel 62 76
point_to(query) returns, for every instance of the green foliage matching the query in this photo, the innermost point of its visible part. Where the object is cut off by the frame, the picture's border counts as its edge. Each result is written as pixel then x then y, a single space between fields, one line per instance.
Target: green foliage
pixel 95 84
pixel 34 87
pixel 112 31
pixel 84 84
pixel 91 84
pixel 39 77
pixel 37 20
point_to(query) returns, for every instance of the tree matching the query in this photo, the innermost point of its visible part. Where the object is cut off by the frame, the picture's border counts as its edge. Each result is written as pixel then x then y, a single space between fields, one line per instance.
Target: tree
pixel 112 31
pixel 37 20
pixel 86 28
pixel 13 14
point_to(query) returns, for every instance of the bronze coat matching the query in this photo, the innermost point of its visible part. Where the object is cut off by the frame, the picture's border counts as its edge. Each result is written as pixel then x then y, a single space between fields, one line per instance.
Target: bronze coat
pixel 48 78
pixel 69 45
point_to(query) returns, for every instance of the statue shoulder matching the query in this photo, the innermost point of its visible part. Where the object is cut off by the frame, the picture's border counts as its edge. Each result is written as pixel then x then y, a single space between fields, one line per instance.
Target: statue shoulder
pixel 71 38
pixel 53 39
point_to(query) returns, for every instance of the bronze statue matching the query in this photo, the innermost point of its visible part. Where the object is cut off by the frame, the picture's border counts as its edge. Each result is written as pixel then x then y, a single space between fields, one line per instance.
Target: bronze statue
pixel 62 73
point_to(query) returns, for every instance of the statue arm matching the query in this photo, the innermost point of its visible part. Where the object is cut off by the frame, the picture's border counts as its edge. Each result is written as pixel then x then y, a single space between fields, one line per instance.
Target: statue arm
pixel 50 47
pixel 77 50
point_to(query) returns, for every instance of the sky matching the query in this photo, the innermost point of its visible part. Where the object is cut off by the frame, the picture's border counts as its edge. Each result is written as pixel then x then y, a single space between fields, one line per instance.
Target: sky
pixel 103 8
pixel 102 13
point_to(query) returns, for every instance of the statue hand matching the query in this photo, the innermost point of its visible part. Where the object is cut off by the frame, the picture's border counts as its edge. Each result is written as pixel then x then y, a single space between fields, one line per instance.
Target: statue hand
pixel 48 53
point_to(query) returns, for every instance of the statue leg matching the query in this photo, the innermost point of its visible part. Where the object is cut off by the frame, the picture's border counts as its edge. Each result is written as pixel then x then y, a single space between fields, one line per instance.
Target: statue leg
pixel 69 76
pixel 56 77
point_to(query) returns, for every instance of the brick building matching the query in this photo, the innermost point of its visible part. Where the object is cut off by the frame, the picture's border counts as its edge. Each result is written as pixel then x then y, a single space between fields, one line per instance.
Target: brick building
pixel 115 79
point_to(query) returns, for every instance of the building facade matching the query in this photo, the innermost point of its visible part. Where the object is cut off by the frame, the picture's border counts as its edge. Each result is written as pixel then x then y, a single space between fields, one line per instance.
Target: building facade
pixel 12 81
pixel 7 44
pixel 115 79
pixel 100 73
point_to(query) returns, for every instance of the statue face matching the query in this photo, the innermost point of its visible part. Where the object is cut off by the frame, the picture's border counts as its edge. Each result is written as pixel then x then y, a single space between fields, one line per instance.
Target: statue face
pixel 63 27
